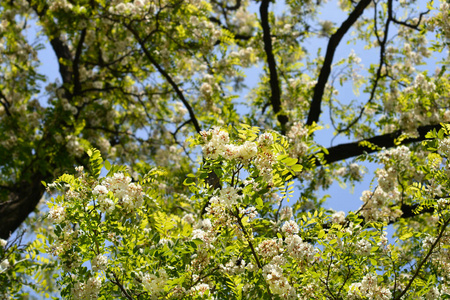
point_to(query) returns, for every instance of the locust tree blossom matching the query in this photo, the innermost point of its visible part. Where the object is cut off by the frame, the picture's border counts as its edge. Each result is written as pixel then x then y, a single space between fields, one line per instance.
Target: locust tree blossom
pixel 229 236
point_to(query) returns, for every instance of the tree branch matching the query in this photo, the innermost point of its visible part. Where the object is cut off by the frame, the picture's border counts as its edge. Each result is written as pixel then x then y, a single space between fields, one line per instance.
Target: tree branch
pixel 275 97
pixel 424 260
pixel 168 78
pixel 76 72
pixel 348 150
pixel 319 88
pixel 22 201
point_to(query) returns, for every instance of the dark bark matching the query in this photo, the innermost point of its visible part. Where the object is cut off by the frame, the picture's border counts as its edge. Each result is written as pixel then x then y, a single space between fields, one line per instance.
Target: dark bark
pixel 349 150
pixel 21 202
pixel 275 96
pixel 335 39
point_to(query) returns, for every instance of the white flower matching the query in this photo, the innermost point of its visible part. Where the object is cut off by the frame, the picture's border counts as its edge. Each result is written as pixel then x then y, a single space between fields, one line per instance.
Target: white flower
pixel 265 139
pixel 4 265
pixel 338 217
pixel 153 283
pixel 290 227
pixel 268 248
pixel 99 263
pixel 92 288
pixel 57 214
pixel 286 213
pixel 3 242
pixel 299 249
pixel 100 190
pixel 106 205
pixel 200 289
pixel 363 247
pixel 229 196
pixel 248 150
pixel 188 218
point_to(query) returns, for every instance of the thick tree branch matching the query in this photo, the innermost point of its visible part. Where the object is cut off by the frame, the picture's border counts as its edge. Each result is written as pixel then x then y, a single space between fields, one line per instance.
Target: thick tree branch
pixel 275 97
pixel 408 211
pixel 344 151
pixel 21 202
pixel 63 54
pixel 76 62
pixel 319 88
pixel 5 104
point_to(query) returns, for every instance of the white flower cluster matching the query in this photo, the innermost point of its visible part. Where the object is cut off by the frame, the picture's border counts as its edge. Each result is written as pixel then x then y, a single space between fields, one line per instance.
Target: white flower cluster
pixel 130 8
pixel 433 294
pixel 278 283
pixel 442 20
pixel 369 288
pixel 219 213
pixel 73 146
pixel 99 263
pixel 244 21
pixel 66 240
pixel 264 162
pixel 4 265
pixel 188 218
pixel 88 290
pixel 245 56
pixel 200 260
pixel 217 144
pixel 338 217
pixel 206 90
pixel 229 196
pixel 200 289
pixel 204 231
pixel 130 195
pixel 286 213
pixel 399 158
pixel 268 248
pixel 290 227
pixel 387 179
pixel 155 284
pixel 250 212
pixel 57 214
pixel 376 205
pixel 363 247
pixel 419 114
pixel 61 5
pixel 206 28
pixel 355 171
pixel 444 147
pixel 234 266
pixel 207 236
pixel 298 249
pixel 297 135
pixel 215 141
pixel 3 243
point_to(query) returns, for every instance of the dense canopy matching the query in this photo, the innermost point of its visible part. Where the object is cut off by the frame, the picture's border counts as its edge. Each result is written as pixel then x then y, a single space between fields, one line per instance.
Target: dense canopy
pixel 186 149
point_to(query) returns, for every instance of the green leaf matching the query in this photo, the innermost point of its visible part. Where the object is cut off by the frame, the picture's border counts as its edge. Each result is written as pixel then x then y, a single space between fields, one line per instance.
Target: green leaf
pixel 189 181
pixel 297 168
pixel 259 203
pixel 107 165
pixel 96 161
pixel 282 156
pixel 289 161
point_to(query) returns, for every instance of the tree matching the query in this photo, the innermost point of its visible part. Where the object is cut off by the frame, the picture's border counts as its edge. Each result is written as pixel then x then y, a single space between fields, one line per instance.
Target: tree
pixel 149 83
